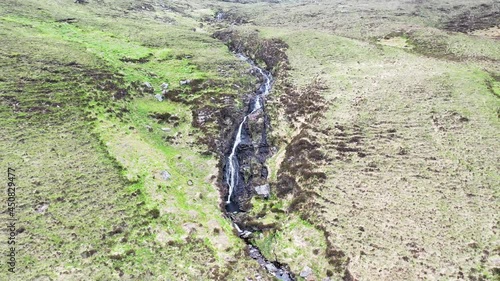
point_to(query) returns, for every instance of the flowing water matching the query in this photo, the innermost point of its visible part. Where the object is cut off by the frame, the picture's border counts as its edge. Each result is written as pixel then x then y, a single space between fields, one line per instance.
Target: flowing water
pixel 233 177
pixel 234 180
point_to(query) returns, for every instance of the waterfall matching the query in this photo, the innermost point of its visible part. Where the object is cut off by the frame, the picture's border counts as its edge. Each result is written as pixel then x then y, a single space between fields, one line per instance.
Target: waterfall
pixel 232 173
pixel 232 178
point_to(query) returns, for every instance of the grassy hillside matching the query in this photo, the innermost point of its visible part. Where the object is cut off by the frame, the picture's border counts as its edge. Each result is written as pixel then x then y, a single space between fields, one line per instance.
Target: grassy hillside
pixel 384 126
pixel 91 144
pixel 399 174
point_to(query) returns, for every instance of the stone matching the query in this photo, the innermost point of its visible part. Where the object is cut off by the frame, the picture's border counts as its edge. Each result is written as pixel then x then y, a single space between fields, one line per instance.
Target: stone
pixel 263 190
pixel 306 271
pixel 166 129
pixel 271 267
pixel 254 253
pixel 41 209
pixel 159 97
pixel 164 86
pixel 245 234
pixel 184 82
pixel 190 182
pixel 473 244
pixel 89 253
pixel 150 129
pixel 165 175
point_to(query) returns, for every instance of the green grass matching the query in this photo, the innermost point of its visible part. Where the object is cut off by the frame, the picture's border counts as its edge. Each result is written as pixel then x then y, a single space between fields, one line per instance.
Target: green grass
pixel 92 159
pixel 74 148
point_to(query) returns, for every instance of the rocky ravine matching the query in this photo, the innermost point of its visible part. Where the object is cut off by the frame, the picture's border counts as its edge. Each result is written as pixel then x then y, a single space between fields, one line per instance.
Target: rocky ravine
pixel 245 167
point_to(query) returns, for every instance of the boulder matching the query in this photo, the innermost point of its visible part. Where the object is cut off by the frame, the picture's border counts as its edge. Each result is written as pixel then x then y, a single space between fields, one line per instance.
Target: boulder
pixel 165 175
pixel 41 209
pixel 263 190
pixel 184 82
pixel 245 234
pixel 306 271
pixel 159 97
pixel 271 267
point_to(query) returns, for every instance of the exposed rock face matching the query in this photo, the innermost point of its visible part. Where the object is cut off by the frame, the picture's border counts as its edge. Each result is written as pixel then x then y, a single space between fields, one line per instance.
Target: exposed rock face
pixel 252 154
pixel 271 51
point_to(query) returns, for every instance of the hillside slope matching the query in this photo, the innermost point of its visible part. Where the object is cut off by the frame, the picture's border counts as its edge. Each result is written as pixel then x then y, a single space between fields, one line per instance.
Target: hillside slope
pixel 384 129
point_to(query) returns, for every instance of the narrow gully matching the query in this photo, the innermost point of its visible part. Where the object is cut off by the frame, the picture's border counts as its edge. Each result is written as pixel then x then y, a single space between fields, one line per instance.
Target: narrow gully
pixel 234 178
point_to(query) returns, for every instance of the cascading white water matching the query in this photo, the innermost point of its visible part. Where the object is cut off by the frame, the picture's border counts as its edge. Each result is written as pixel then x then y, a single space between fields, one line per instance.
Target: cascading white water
pixel 257 104
pixel 267 81
pixel 232 177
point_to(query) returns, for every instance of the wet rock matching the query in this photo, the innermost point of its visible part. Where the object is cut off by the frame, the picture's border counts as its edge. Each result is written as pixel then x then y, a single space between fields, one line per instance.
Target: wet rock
pixel 159 97
pixel 245 234
pixel 306 271
pixel 263 190
pixel 254 253
pixel 271 267
pixel 185 82
pixel 165 175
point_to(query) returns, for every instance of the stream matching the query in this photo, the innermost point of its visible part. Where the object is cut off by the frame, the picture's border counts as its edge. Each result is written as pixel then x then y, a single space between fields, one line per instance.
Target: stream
pixel 233 176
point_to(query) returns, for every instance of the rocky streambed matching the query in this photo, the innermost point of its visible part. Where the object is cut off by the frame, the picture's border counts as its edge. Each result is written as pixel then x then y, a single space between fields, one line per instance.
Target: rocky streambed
pixel 245 172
